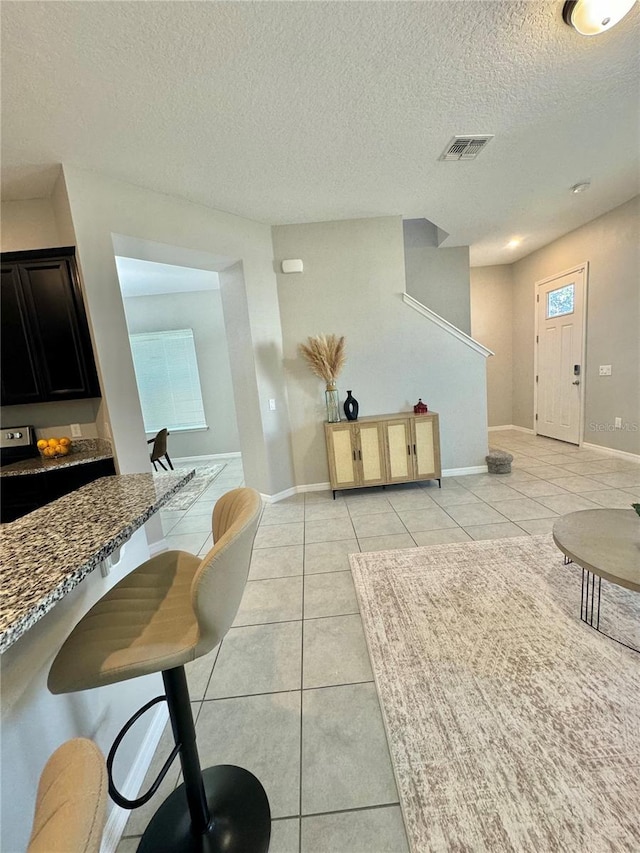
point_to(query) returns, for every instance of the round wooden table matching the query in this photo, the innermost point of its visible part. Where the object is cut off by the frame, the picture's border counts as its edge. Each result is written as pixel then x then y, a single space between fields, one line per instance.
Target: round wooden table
pixel 606 544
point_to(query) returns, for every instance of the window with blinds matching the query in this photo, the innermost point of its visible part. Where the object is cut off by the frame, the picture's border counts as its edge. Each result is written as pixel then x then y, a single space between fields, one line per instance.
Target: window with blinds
pixel 168 381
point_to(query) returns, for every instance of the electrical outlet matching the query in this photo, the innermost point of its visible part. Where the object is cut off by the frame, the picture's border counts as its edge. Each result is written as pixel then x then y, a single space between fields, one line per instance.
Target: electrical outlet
pixel 76 432
pixel 272 405
pixel 617 423
pixel 605 370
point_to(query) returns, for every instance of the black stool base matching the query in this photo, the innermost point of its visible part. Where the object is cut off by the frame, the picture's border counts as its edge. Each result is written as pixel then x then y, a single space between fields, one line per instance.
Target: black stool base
pixel 241 817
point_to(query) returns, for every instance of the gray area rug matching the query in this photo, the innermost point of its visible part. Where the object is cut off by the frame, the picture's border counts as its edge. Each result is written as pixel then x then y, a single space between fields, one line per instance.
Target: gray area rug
pixel 205 475
pixel 512 725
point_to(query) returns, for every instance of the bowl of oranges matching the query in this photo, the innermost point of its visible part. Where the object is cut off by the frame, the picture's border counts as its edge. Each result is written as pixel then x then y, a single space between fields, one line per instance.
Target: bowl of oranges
pixel 51 448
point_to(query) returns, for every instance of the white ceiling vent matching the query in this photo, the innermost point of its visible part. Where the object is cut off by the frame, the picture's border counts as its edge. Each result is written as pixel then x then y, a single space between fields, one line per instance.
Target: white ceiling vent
pixel 466 147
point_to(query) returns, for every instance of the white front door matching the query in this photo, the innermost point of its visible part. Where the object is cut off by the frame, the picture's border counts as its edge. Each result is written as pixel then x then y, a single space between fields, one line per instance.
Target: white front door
pixel 560 306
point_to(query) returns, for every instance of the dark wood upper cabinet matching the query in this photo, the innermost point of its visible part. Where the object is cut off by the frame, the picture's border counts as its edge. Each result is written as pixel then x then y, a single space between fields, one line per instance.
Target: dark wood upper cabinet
pixel 46 347
pixel 19 370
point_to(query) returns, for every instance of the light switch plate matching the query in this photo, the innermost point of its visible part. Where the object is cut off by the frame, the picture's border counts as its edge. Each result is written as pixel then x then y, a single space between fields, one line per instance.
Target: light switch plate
pixel 272 405
pixel 76 432
pixel 605 370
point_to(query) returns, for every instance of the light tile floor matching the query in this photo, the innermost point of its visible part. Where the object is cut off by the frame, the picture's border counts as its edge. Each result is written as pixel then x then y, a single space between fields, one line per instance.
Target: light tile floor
pixel 289 693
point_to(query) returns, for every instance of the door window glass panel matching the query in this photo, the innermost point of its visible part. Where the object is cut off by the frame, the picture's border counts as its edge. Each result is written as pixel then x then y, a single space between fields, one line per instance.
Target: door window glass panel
pixel 560 301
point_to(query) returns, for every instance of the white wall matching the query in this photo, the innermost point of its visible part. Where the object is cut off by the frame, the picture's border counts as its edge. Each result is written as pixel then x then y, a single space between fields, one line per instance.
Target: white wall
pixel 102 207
pixel 352 285
pixel 491 324
pixel 202 312
pixel 29 224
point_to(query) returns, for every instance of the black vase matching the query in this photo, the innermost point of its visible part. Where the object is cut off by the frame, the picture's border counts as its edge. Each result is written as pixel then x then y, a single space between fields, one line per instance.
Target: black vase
pixel 351 407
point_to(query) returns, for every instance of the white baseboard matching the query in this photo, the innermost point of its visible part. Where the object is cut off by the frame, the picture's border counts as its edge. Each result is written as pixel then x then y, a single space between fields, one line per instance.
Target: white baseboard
pixel 460 472
pixel 211 457
pixel 314 487
pixel 610 451
pixel 157 547
pixel 512 426
pixel 118 817
pixel 295 490
pixel 325 487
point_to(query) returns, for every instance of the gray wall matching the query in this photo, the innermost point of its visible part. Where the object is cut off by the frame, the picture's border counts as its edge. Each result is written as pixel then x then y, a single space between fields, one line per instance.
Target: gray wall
pixel 202 312
pixel 491 312
pixel 611 245
pixel 439 278
pixel 102 207
pixel 352 285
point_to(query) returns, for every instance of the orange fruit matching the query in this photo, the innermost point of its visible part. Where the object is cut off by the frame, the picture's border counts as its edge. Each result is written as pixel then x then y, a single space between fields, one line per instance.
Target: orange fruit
pixel 49 451
pixel 62 450
pixel 42 444
pixel 53 442
pixel 64 441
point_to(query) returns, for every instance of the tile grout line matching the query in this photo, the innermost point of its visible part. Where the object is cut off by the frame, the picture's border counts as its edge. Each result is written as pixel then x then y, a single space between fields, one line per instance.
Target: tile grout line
pixel 304 538
pixel 374 807
pixel 280 692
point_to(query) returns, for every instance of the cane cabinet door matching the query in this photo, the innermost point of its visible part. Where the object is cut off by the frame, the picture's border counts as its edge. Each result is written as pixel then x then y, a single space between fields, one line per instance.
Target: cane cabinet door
pixel 342 456
pixel 399 457
pixel 370 450
pixel 426 456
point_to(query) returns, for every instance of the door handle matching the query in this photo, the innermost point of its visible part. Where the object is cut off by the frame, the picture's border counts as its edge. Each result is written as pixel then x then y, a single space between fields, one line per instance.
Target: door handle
pixel 414 450
pixel 576 382
pixel 354 456
pixel 408 450
pixel 360 455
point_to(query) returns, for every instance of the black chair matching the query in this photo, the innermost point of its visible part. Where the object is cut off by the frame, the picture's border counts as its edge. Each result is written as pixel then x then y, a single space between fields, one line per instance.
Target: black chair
pixel 159 450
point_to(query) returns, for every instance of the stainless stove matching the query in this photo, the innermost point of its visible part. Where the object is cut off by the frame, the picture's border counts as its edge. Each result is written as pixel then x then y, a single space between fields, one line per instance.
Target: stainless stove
pixel 17 443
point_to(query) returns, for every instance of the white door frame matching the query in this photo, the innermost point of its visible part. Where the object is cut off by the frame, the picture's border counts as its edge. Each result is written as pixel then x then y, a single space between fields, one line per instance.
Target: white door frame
pixel 577 268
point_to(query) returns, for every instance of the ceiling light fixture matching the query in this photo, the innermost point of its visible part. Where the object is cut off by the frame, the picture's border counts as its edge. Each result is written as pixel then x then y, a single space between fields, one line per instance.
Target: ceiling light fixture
pixel 592 17
pixel 512 244
pixel 581 187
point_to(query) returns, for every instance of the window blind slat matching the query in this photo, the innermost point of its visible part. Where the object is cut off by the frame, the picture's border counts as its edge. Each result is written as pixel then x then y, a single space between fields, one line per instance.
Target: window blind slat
pixel 166 371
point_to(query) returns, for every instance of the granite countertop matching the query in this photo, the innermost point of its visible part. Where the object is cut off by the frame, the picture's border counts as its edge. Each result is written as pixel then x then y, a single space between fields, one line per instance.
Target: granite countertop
pixel 45 554
pixel 82 451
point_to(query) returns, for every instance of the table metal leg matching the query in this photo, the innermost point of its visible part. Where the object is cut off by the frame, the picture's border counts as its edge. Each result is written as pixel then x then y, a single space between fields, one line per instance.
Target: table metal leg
pixel 590 600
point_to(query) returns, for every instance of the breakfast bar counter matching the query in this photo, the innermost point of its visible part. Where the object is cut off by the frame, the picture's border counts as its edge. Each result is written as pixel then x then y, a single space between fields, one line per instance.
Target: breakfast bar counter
pixel 56 563
pixel 48 552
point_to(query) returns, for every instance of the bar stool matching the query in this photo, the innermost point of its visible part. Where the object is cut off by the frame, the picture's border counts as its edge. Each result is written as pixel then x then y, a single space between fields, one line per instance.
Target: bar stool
pixel 72 800
pixel 172 609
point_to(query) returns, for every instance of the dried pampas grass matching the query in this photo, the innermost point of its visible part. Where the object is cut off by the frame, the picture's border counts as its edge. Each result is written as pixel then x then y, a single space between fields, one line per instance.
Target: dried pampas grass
pixel 325 356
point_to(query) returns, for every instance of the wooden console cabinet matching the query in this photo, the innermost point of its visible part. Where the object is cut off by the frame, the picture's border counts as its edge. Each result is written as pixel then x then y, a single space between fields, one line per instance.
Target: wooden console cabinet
pixel 383 449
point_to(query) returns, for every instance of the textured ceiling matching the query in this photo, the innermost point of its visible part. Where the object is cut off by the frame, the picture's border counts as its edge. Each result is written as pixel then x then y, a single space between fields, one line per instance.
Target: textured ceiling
pixel 306 111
